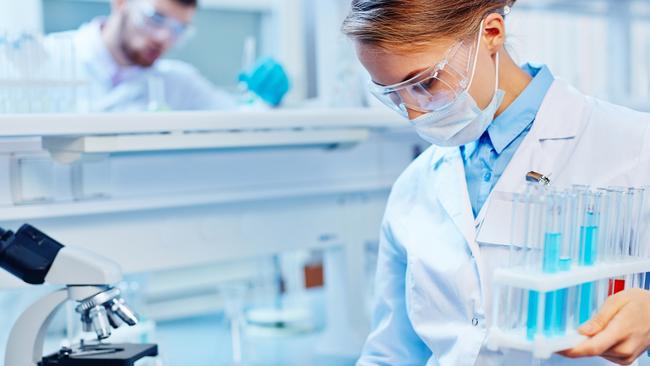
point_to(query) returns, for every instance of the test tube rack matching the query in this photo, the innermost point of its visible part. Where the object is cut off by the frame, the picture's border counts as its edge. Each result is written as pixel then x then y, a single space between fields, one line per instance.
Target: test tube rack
pixel 548 291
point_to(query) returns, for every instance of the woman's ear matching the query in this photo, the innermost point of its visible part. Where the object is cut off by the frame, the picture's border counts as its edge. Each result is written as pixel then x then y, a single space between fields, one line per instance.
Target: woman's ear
pixel 494 32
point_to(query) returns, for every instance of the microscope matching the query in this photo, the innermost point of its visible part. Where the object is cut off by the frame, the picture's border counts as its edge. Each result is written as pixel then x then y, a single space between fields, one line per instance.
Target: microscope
pixel 36 258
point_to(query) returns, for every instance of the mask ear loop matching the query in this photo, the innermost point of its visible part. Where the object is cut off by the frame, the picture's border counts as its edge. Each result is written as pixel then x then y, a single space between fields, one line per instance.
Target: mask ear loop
pixel 496 86
pixel 478 44
pixel 478 47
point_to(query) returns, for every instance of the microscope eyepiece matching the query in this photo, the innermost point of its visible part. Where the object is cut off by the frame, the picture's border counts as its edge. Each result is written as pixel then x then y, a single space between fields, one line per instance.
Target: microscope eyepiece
pixel 28 254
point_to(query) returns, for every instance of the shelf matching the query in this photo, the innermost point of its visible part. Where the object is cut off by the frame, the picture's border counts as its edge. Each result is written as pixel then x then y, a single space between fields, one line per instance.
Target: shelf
pixel 68 149
pixel 531 280
pixel 24 125
pixel 40 83
pixel 180 200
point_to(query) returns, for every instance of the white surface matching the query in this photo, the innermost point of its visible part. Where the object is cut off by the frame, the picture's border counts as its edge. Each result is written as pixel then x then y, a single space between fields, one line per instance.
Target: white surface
pixel 132 123
pixel 25 345
pixel 77 266
pixel 543 282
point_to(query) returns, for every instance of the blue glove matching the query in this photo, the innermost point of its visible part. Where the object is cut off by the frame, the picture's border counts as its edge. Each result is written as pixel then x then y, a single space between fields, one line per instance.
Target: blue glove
pixel 268 80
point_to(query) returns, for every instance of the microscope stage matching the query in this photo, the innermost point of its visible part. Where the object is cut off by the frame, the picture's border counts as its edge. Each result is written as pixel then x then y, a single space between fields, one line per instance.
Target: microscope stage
pixel 102 355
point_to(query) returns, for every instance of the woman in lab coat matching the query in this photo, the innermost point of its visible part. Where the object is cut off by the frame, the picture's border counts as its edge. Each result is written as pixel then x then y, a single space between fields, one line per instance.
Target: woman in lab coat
pixel 442 64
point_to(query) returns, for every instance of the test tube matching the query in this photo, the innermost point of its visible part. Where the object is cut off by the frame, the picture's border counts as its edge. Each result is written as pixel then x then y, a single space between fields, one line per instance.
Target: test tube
pixel 534 241
pixel 570 255
pixel 510 297
pixel 553 231
pixel 520 302
pixel 637 197
pixel 519 229
pixel 589 217
pixel 532 314
pixel 570 311
pixel 613 217
pixel 622 232
pixel 537 229
pixel 547 311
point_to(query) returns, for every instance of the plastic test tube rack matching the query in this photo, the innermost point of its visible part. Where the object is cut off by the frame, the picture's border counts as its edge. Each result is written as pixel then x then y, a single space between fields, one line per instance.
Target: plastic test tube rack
pixel 571 249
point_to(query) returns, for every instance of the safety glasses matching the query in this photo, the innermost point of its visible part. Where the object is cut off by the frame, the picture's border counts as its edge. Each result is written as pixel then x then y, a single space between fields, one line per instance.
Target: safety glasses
pixel 157 24
pixel 435 88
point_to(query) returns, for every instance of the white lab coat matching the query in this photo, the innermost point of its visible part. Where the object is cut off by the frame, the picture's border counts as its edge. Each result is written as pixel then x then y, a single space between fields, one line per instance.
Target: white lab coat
pixel 116 88
pixel 434 268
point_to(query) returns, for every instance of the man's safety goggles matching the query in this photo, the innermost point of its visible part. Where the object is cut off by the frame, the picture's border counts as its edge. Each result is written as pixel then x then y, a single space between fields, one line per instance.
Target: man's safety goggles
pixel 157 24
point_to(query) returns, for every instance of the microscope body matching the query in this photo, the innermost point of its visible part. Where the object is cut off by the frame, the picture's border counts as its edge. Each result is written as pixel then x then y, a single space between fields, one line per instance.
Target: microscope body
pixel 86 278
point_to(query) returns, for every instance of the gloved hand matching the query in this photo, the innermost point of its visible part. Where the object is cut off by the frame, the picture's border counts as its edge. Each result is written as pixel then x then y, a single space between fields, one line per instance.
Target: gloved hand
pixel 268 80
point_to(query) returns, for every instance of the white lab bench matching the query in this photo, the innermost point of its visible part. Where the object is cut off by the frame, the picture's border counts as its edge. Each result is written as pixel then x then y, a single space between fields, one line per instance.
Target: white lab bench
pixel 158 191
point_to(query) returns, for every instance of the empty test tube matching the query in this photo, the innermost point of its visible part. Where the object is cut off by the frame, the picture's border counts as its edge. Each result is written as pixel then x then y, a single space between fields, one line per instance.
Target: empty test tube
pixel 637 198
pixel 612 223
pixel 519 229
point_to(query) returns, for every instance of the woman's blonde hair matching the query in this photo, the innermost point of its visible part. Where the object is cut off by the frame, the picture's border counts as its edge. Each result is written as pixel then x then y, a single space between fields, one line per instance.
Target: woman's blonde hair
pixel 409 24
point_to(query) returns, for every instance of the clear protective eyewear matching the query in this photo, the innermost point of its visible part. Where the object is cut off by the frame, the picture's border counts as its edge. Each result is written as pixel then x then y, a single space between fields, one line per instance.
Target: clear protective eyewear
pixel 435 88
pixel 157 23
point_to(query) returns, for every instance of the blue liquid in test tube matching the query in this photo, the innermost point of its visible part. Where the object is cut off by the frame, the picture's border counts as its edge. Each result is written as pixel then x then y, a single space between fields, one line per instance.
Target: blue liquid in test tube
pixel 552 244
pixel 531 323
pixel 549 314
pixel 584 307
pixel 588 245
pixel 555 302
pixel 559 325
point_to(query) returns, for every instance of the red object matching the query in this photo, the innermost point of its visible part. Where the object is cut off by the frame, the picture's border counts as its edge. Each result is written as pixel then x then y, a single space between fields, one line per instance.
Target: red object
pixel 616 286
pixel 314 275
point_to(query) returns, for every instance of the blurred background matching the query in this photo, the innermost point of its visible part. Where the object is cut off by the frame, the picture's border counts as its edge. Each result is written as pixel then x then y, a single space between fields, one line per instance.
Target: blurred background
pixel 281 302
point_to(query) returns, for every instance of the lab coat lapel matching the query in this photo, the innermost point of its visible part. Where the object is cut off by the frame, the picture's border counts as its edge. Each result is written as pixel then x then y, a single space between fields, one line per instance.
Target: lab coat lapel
pixel 560 120
pixel 562 116
pixel 451 191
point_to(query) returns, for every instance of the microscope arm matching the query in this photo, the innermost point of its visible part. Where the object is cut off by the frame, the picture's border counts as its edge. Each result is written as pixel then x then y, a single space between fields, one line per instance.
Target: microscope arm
pixel 25 345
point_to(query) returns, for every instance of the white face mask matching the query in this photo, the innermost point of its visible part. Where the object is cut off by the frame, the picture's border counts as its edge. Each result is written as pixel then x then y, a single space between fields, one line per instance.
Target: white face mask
pixel 463 121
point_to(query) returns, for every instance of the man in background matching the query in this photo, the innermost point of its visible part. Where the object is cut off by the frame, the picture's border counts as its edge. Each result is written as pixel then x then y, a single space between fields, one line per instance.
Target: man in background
pixel 120 55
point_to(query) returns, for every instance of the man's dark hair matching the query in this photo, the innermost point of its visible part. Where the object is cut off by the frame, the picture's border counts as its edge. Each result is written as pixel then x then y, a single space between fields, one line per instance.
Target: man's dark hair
pixel 188 2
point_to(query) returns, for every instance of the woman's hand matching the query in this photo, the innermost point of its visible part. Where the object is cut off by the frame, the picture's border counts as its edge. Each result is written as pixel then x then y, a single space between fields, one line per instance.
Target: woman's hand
pixel 620 332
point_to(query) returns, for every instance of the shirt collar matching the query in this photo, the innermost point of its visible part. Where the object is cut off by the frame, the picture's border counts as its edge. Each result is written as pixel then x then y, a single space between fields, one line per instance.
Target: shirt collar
pixel 522 112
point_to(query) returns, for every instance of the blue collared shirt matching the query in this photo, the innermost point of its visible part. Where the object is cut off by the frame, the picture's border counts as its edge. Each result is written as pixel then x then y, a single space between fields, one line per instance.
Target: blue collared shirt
pixel 485 160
